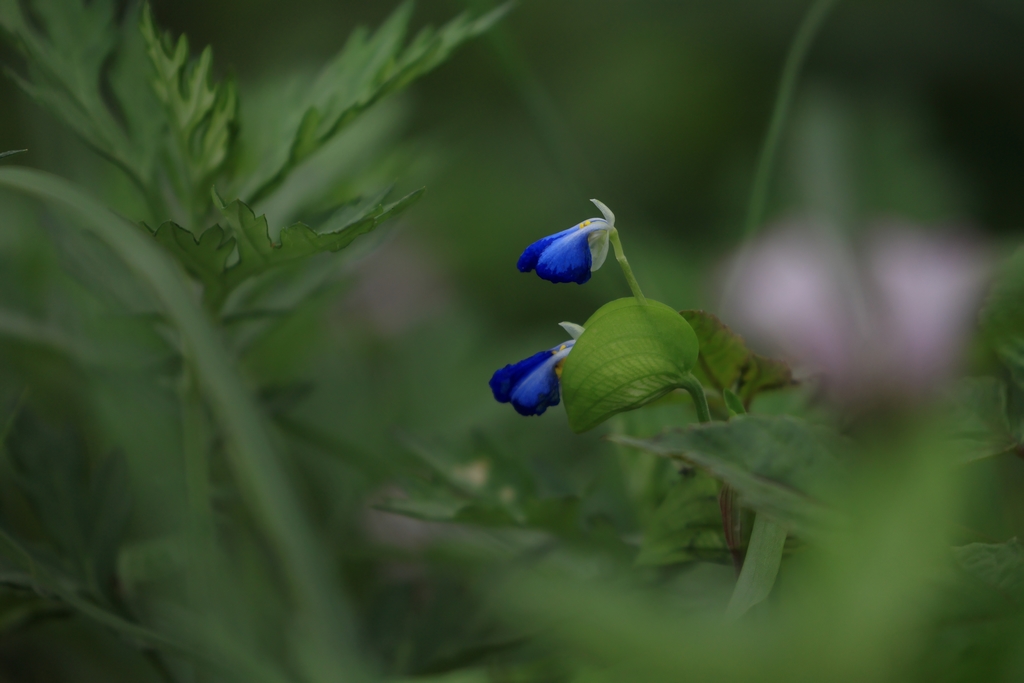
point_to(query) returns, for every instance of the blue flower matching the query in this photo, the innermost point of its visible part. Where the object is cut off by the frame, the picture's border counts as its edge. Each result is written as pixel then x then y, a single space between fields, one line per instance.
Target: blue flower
pixel 573 254
pixel 531 385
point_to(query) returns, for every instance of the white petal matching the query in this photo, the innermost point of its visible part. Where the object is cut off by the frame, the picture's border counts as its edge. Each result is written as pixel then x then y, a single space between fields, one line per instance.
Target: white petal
pixel 573 329
pixel 608 215
pixel 598 242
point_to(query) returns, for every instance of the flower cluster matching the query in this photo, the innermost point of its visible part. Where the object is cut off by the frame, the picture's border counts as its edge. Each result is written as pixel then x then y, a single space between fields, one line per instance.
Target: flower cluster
pixel 532 385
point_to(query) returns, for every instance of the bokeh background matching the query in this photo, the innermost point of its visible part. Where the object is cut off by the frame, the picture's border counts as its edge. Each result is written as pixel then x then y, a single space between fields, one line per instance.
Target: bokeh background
pixel 908 111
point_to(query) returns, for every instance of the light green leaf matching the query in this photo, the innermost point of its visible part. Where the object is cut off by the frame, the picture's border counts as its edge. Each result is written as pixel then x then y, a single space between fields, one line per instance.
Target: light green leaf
pixel 201 113
pixel 368 68
pixel 781 466
pixel 727 363
pixel 760 566
pixel 629 355
pixel 687 525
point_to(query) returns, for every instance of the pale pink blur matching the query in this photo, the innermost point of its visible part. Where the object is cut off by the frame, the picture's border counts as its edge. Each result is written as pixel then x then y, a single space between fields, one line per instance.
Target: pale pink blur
pixel 891 317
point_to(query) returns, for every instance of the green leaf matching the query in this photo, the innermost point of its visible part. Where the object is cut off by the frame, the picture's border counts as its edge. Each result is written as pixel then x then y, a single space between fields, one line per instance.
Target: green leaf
pixel 978 423
pixel 201 113
pixel 65 46
pixel 1002 317
pixel 629 355
pixel 207 256
pixel 83 512
pixel 760 566
pixel 687 525
pixel 727 363
pixel 733 403
pixel 368 68
pixel 780 466
pixel 10 152
pixel 997 565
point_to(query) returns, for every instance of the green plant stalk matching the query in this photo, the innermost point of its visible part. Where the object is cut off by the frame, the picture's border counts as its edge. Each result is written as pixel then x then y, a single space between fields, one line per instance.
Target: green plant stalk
pixel 620 256
pixel 760 567
pixel 693 387
pixel 195 444
pixel 321 611
pixel 783 101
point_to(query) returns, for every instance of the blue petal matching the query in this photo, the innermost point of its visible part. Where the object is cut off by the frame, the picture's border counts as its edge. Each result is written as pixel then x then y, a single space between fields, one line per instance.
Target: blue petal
pixel 566 256
pixel 531 385
pixel 528 261
pixel 566 259
pixel 504 381
pixel 538 390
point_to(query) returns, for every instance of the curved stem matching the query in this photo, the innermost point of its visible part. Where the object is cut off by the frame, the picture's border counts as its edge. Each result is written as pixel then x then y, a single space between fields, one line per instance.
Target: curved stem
pixel 783 100
pixel 693 386
pixel 620 256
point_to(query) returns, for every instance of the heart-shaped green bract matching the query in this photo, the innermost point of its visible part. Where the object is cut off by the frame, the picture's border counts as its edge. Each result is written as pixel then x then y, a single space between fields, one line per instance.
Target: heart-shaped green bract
pixel 629 355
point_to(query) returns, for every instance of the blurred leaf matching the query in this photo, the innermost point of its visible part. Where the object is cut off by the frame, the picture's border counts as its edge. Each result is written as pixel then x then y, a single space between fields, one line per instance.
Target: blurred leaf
pixel 83 513
pixel 780 466
pixel 760 566
pixel 997 565
pixel 629 355
pixel 271 500
pixel 687 525
pixel 369 67
pixel 10 152
pixel 65 46
pixel 18 610
pixel 201 114
pixel 1002 317
pixel 979 423
pixel 727 363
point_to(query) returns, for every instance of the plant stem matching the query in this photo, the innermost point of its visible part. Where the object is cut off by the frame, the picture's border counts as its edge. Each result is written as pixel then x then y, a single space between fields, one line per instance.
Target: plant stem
pixel 197 485
pixel 620 256
pixel 696 390
pixel 761 566
pixel 783 100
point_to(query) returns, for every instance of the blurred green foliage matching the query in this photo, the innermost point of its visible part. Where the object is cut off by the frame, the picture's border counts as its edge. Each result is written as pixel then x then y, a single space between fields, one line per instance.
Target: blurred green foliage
pixel 453 540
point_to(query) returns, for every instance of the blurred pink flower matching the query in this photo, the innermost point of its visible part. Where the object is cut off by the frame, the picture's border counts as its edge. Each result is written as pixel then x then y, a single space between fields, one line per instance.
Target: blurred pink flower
pixel 893 321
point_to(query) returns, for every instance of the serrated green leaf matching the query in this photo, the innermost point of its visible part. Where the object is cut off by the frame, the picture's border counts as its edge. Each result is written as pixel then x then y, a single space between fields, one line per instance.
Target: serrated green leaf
pixel 368 68
pixel 629 355
pixel 258 253
pixel 687 525
pixel 205 257
pixel 727 363
pixel 208 256
pixel 780 466
pixel 201 113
